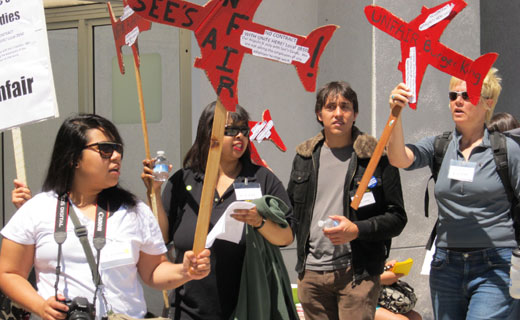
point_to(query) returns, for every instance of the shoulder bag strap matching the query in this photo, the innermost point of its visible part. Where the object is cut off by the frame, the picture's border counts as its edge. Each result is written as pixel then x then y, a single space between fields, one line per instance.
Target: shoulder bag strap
pixel 81 233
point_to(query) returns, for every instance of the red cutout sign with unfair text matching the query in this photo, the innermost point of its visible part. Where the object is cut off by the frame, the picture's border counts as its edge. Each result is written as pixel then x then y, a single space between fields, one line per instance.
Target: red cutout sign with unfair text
pixel 225 31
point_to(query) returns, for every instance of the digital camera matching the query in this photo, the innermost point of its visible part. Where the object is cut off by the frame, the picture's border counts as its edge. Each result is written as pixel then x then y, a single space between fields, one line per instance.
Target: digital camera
pixel 80 309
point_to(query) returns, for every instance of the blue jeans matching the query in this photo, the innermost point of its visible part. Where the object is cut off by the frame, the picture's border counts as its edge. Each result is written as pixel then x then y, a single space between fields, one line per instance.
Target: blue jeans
pixel 472 285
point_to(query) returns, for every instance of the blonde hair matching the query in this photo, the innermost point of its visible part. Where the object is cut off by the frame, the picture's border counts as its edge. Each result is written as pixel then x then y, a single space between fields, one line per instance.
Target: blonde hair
pixel 491 88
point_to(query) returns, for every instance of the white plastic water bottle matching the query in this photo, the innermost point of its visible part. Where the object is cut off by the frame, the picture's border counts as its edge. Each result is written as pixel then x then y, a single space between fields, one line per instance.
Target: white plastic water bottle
pixel 327 223
pixel 160 170
pixel 514 290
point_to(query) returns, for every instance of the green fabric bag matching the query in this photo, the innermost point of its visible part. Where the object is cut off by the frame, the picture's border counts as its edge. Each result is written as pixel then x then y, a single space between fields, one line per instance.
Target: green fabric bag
pixel 265 289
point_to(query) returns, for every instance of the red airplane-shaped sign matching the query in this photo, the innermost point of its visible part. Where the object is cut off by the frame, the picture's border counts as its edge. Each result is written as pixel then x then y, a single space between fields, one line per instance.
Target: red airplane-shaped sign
pixel 260 131
pixel 420 47
pixel 225 32
pixel 126 30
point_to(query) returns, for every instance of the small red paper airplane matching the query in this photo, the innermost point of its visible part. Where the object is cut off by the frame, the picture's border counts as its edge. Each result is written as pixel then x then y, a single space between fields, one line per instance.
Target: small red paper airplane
pixel 420 47
pixel 225 32
pixel 126 30
pixel 260 131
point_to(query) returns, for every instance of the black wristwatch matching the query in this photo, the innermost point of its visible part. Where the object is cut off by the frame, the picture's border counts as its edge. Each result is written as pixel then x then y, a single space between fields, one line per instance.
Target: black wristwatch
pixel 261 224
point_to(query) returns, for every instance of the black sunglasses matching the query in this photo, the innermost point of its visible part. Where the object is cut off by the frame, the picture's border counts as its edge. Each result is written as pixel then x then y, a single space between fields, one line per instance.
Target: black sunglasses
pixel 233 131
pixel 454 94
pixel 106 149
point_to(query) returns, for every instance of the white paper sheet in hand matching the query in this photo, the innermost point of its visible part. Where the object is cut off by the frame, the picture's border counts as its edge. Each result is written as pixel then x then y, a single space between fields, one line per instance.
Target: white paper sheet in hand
pixel 428 257
pixel 227 228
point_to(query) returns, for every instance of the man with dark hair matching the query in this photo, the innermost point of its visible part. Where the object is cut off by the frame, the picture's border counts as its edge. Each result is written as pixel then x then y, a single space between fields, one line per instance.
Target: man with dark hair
pixel 339 264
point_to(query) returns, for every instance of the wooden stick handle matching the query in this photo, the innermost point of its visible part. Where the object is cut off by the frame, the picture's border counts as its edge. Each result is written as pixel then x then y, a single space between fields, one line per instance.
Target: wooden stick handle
pixel 145 131
pixel 210 178
pixel 144 126
pixel 165 300
pixel 374 160
pixel 18 154
pixel 142 110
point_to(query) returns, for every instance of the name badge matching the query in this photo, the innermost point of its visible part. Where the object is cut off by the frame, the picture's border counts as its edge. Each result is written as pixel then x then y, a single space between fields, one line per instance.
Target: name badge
pixel 462 170
pixel 116 254
pixel 368 199
pixel 247 191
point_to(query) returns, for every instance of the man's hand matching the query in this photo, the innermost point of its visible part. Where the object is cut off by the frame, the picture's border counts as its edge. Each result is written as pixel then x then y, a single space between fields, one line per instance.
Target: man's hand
pixel 344 232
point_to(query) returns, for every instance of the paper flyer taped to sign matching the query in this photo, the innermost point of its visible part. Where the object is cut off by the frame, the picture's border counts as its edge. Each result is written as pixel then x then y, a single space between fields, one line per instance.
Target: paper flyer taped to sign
pixel 437 16
pixel 132 36
pixel 27 92
pixel 275 46
pixel 411 74
pixel 261 131
pixel 127 12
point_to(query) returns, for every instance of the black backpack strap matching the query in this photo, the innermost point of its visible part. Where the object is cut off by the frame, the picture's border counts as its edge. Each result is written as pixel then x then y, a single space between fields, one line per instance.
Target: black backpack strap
pixel 433 234
pixel 427 197
pixel 440 145
pixel 499 146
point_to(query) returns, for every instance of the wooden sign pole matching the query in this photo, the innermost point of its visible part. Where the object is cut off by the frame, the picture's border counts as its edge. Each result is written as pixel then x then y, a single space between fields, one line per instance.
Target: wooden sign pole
pixel 122 28
pixel 210 178
pixel 18 155
pixel 374 160
pixel 152 198
pixel 145 131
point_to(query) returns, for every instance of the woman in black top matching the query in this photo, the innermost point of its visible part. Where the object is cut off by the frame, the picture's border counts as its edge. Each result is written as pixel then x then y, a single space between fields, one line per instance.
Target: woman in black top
pixel 216 296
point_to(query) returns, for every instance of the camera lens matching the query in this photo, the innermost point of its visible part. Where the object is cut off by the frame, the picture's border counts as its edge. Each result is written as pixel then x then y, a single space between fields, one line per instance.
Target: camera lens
pixel 81 309
pixel 79 315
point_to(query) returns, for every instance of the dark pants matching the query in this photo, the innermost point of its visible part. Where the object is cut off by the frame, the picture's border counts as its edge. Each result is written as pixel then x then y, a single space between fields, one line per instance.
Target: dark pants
pixel 332 295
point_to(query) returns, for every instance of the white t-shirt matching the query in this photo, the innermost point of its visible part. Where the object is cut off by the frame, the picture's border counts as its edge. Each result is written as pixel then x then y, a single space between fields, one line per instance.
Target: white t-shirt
pixel 128 233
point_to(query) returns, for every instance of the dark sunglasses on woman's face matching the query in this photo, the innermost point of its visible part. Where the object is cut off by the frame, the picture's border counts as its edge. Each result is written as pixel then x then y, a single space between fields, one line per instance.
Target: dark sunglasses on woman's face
pixel 233 131
pixel 106 149
pixel 454 94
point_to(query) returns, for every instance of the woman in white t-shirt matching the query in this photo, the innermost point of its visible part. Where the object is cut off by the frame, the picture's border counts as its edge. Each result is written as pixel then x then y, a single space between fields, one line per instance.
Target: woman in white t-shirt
pixel 84 172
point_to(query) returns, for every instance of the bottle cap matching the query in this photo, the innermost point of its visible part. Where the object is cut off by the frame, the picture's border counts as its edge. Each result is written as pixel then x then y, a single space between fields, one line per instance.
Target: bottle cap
pixel 160 153
pixel 321 223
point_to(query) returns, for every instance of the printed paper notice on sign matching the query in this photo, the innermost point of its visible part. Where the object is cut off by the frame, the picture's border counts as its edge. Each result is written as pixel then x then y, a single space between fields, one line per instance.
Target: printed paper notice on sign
pixel 131 37
pixel 27 91
pixel 437 16
pixel 275 46
pixel 261 131
pixel 411 74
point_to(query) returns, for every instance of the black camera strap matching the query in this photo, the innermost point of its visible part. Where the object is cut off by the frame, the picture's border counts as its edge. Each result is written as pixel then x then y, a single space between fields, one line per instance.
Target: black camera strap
pixel 60 235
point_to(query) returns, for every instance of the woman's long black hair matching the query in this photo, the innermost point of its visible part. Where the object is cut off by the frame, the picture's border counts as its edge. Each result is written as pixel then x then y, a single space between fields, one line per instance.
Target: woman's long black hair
pixel 197 156
pixel 68 146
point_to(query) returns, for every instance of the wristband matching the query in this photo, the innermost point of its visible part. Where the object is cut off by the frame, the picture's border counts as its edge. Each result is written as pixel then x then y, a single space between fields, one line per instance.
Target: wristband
pixel 261 224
